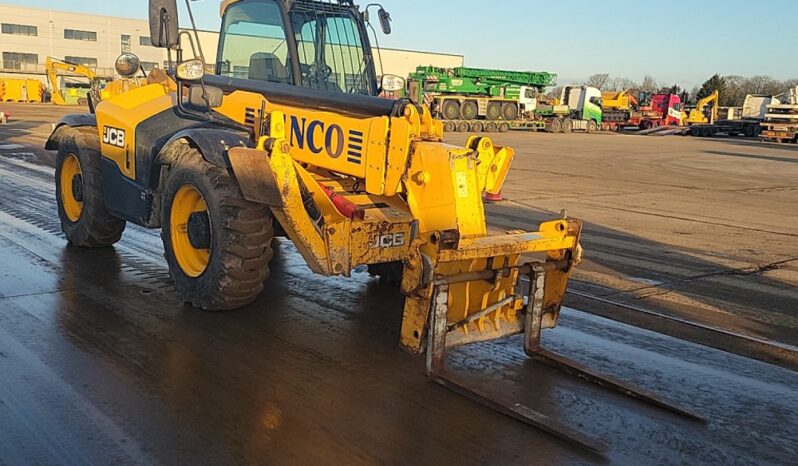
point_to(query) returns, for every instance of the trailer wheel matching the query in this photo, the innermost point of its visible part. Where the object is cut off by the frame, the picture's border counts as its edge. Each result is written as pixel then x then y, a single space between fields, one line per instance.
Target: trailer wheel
pixel 469 110
pixel 504 127
pixel 216 243
pixel 491 127
pixel 567 125
pixel 449 127
pixel 85 220
pixel 510 111
pixel 463 127
pixel 555 125
pixel 450 110
pixel 477 127
pixel 494 111
pixel 592 126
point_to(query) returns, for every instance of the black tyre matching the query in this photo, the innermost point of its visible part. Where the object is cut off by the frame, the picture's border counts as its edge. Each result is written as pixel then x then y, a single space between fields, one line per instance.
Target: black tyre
pixel 567 125
pixel 449 127
pixel 463 127
pixel 504 127
pixel 217 244
pixel 491 127
pixel 477 127
pixel 450 110
pixel 469 110
pixel 510 111
pixel 592 126
pixel 555 125
pixel 494 111
pixel 85 220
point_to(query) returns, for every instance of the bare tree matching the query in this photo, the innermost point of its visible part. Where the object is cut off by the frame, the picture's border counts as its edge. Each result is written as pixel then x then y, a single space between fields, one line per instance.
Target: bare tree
pixel 649 84
pixel 621 84
pixel 598 81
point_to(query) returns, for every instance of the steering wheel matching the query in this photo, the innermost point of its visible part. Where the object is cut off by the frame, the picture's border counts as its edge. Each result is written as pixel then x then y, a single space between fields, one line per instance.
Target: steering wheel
pixel 321 72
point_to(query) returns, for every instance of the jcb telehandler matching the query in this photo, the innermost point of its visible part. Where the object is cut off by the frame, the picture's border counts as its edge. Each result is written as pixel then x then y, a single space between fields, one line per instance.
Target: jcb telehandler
pixel 289 135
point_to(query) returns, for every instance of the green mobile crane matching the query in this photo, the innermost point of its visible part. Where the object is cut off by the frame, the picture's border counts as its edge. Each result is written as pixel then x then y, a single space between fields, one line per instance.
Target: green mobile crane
pixel 473 99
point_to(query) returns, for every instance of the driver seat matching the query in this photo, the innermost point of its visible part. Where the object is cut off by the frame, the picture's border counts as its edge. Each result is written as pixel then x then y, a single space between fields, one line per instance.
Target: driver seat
pixel 264 66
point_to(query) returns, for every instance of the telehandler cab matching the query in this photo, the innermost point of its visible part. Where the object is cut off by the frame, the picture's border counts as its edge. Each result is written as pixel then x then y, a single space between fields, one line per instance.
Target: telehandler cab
pixel 290 135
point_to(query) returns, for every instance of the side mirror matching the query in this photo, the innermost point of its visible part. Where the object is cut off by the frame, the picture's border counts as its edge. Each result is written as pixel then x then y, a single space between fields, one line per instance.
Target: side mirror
pixel 205 96
pixel 385 21
pixel 164 23
pixel 392 83
pixel 127 65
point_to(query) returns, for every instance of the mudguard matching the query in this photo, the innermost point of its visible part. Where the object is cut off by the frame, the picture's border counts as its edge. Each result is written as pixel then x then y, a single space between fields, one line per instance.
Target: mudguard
pixel 81 120
pixel 213 143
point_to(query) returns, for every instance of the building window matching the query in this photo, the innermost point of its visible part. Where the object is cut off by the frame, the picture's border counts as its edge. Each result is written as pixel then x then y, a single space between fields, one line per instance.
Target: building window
pixel 80 35
pixel 83 61
pixel 19 61
pixel 145 40
pixel 20 30
pixel 148 66
pixel 126 43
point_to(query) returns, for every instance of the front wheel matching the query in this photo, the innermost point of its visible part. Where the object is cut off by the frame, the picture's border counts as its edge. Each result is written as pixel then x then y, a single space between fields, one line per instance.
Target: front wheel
pixel 217 244
pixel 85 220
pixel 592 127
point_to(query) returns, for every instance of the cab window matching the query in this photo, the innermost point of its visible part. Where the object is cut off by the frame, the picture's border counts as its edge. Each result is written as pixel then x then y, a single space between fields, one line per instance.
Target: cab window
pixel 253 44
pixel 339 63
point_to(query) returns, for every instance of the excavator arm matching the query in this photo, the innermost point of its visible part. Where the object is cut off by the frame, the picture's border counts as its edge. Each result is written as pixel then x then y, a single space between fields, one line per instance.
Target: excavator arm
pixel 53 66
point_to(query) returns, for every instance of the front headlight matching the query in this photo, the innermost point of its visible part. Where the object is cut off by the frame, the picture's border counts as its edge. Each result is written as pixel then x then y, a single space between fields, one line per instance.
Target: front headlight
pixel 191 70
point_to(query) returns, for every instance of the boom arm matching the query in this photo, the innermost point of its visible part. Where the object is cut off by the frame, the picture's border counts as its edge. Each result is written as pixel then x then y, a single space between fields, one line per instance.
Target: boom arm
pixel 53 66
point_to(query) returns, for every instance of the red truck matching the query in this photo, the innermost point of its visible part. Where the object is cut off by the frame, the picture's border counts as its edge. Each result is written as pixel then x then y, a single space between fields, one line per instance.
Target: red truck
pixel 663 110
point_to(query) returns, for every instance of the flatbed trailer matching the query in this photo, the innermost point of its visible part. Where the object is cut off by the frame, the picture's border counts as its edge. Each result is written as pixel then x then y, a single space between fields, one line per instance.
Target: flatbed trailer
pixel 745 128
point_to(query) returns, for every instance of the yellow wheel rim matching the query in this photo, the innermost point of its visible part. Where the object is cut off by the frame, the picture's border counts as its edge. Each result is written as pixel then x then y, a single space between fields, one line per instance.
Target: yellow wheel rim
pixel 192 261
pixel 72 201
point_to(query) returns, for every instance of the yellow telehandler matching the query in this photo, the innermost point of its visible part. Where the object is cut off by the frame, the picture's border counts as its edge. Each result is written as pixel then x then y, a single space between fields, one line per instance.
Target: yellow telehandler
pixel 290 135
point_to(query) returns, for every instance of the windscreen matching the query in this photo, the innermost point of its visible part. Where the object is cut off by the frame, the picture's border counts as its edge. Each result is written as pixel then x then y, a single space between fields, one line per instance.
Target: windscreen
pixel 328 46
pixel 253 43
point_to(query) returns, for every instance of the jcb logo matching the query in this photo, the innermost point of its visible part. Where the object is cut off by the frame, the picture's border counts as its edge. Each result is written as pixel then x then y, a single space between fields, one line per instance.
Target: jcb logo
pixel 395 240
pixel 113 136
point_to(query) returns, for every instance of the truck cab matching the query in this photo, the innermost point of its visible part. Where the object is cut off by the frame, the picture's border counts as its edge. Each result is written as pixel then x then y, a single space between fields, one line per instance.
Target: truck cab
pixel 584 101
pixel 669 107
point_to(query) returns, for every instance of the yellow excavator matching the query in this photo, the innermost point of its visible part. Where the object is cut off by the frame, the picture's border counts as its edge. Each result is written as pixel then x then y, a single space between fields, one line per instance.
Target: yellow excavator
pixel 290 136
pixel 705 112
pixel 73 95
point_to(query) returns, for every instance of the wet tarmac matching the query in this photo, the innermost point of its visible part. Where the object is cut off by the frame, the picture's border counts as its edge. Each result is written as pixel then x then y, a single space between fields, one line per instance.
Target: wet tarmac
pixel 100 363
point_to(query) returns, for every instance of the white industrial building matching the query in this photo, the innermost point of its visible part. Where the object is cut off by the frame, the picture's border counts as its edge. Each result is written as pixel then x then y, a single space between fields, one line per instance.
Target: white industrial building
pixel 29 35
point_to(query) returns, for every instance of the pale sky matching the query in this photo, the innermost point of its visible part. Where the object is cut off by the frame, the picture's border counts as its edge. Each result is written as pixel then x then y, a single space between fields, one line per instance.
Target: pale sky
pixel 677 41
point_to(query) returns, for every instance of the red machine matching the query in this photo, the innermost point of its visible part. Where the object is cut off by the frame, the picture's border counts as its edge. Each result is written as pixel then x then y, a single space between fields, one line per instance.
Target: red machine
pixel 665 110
pixel 661 110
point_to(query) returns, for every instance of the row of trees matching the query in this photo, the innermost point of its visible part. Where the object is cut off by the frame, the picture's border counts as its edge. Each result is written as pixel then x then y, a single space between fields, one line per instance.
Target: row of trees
pixel 732 89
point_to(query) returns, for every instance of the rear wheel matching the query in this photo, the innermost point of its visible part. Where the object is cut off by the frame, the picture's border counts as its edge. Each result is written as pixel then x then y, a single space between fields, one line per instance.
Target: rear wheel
pixel 477 127
pixel 494 111
pixel 567 125
pixel 469 110
pixel 491 127
pixel 85 220
pixel 555 125
pixel 217 244
pixel 449 127
pixel 504 127
pixel 510 111
pixel 592 126
pixel 450 110
pixel 462 127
